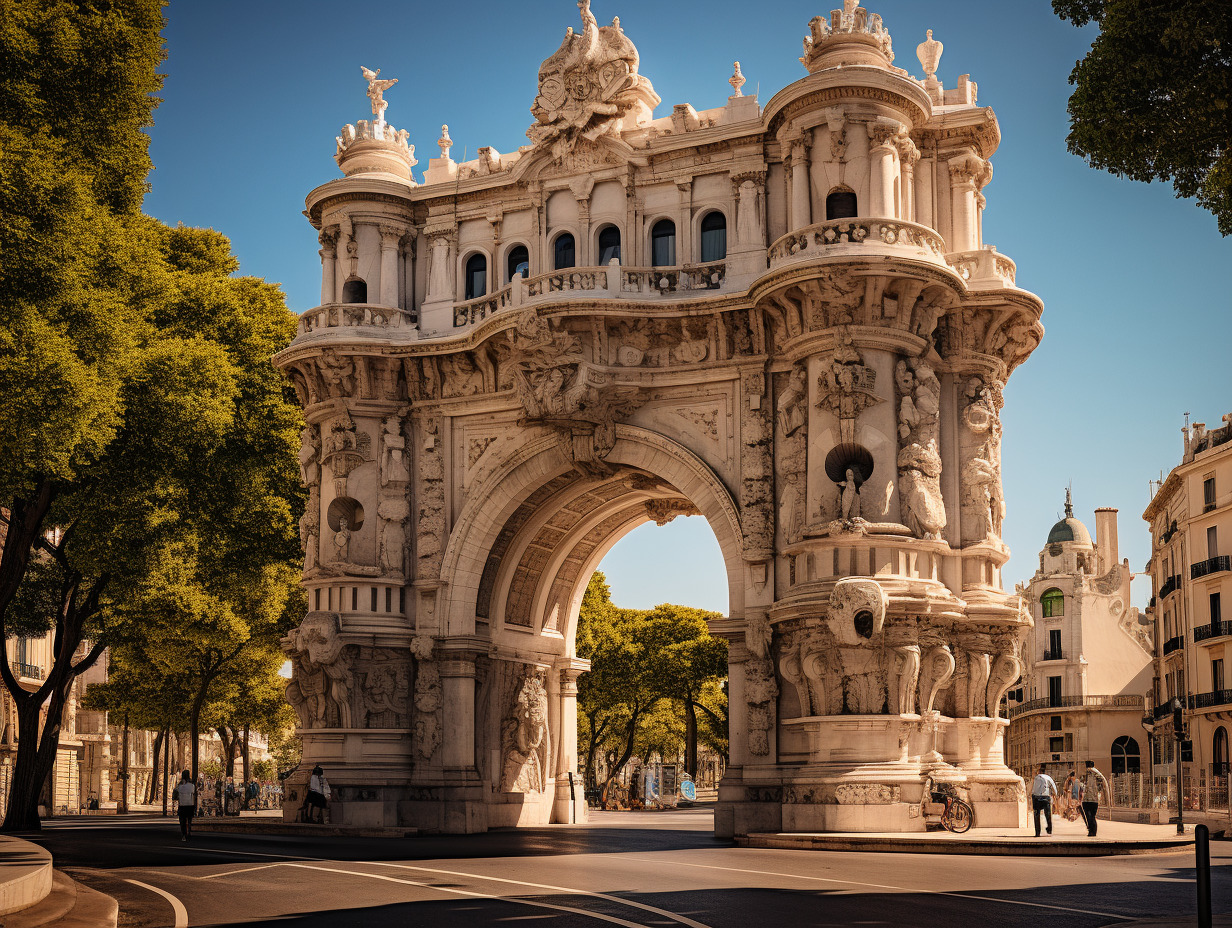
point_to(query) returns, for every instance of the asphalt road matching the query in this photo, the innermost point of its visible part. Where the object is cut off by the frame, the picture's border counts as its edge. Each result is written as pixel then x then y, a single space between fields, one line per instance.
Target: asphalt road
pixel 639 870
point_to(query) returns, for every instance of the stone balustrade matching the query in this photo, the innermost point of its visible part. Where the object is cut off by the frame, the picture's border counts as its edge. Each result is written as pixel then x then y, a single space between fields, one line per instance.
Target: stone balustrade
pixel 892 235
pixel 345 315
pixel 984 267
pixel 478 309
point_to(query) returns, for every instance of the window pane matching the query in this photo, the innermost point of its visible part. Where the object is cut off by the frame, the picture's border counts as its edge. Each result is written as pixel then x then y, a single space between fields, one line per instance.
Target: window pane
pixel 519 262
pixel 609 245
pixel 714 237
pixel 476 277
pixel 565 252
pixel 663 243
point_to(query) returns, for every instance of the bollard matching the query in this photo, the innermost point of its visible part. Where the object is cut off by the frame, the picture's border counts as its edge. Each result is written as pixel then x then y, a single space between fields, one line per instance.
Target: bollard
pixel 1202 853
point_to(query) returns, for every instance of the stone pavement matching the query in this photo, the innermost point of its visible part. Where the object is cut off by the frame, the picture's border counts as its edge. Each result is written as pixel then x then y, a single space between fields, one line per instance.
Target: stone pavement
pixel 32 894
pixel 1069 839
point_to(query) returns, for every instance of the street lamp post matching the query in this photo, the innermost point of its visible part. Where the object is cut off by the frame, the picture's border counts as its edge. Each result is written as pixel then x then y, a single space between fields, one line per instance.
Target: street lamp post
pixel 1178 730
pixel 1148 725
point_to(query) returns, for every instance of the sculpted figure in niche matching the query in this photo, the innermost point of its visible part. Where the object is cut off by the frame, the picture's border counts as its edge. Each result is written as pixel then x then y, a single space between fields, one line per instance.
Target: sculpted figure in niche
pixel 309 535
pixel 525 738
pixel 439 277
pixel 983 501
pixel 919 463
pixel 749 230
pixel 393 513
pixel 461 376
pixel 395 469
pixel 342 542
pixel 790 406
pixel 850 497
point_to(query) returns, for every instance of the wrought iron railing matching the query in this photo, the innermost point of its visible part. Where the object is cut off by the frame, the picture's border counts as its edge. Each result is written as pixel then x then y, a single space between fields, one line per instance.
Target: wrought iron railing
pixel 1210 566
pixel 29 671
pixel 1214 630
pixel 1207 700
pixel 1052 655
pixel 1174 644
pixel 1171 586
pixel 1075 702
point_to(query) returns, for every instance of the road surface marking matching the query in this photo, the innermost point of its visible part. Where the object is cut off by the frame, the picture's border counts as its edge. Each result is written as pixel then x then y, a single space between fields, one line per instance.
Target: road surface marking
pixel 561 889
pixel 181 913
pixel 903 889
pixel 462 892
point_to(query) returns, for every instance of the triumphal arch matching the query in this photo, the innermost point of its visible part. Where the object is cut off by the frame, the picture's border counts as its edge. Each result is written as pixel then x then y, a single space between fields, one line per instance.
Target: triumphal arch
pixel 782 317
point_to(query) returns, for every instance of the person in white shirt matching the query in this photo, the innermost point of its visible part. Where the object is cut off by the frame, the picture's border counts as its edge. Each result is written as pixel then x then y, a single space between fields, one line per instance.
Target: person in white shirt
pixel 1043 790
pixel 318 796
pixel 186 796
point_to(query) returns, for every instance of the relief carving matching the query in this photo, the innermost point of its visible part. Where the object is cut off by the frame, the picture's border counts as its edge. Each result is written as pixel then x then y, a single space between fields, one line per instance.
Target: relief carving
pixel 320 685
pixel 426 724
pixel 919 462
pixel 524 737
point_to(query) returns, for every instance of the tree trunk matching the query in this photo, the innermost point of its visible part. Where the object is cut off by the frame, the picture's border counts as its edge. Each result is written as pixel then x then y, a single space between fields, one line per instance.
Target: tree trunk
pixel 166 766
pixel 630 737
pixel 690 738
pixel 122 807
pixel 35 757
pixel 151 795
pixel 194 725
pixel 244 753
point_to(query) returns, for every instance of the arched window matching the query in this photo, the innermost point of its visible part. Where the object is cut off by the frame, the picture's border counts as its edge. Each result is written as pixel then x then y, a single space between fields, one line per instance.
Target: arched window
pixel 355 291
pixel 1053 603
pixel 476 277
pixel 519 262
pixel 714 236
pixel 1125 757
pixel 565 252
pixel 663 244
pixel 1219 753
pixel 609 244
pixel 841 204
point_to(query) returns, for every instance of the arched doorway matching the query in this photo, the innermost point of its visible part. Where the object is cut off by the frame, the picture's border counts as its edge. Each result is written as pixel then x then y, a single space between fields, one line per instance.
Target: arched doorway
pixel 1219 752
pixel 1125 755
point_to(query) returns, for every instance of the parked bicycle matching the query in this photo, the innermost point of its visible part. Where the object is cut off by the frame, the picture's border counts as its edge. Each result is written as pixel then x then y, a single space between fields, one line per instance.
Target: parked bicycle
pixel 943 806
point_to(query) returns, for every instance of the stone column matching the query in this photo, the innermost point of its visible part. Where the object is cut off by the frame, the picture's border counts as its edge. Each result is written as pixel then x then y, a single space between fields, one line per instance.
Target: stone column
pixel 684 224
pixel 881 171
pixel 908 155
pixel 458 699
pixel 801 199
pixel 329 262
pixel 585 248
pixel 566 812
pixel 390 235
pixel 963 215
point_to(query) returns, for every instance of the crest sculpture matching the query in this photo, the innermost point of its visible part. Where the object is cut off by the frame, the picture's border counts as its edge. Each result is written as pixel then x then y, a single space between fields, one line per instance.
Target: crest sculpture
pixel 782 319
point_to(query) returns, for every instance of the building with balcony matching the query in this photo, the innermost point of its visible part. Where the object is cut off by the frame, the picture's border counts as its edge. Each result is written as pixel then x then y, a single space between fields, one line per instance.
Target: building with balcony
pixel 1088 661
pixel 1190 519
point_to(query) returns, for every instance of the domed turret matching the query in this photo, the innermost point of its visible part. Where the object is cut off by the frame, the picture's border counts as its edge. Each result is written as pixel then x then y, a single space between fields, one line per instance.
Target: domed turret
pixel 1069 529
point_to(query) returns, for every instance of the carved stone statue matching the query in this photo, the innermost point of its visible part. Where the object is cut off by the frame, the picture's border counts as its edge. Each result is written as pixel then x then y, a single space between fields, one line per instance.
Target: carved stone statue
pixel 791 402
pixel 376 92
pixel 393 513
pixel 309 457
pixel 395 462
pixel 319 689
pixel 906 679
pixel 750 226
pixel 850 497
pixel 525 738
pixel 309 537
pixel 342 542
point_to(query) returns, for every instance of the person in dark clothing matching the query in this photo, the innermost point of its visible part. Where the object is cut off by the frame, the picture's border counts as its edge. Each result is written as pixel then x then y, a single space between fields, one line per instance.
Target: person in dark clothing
pixel 186 796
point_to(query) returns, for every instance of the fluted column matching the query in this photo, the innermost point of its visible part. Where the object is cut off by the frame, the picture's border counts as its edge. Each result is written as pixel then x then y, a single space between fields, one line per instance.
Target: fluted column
pixel 801 200
pixel 908 155
pixel 963 216
pixel 329 263
pixel 390 236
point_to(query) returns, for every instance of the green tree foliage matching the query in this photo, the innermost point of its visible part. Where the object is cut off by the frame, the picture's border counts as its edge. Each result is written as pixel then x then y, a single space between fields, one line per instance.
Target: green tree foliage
pixel 141 420
pixel 651 673
pixel 1153 96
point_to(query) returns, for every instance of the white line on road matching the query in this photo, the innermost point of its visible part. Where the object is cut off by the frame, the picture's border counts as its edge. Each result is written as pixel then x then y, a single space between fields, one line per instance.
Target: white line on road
pixel 462 892
pixel 903 889
pixel 181 913
pixel 681 919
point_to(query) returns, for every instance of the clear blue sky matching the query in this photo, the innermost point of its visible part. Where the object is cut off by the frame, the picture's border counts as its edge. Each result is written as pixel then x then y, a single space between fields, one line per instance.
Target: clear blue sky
pixel 1136 303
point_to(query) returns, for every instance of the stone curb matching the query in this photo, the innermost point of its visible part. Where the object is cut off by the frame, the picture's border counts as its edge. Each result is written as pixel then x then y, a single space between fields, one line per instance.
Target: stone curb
pixel 25 874
pixel 69 905
pixel 1003 847
pixel 259 827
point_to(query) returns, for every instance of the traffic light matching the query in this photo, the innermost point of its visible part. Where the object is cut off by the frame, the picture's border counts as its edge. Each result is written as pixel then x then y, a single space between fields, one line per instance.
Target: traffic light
pixel 1178 719
pixel 1187 751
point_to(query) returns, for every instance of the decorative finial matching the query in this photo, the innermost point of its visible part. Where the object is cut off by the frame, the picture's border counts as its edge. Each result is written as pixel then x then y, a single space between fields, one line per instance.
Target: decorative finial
pixel 929 52
pixel 1069 503
pixel 444 141
pixel 736 80
pixel 849 6
pixel 376 92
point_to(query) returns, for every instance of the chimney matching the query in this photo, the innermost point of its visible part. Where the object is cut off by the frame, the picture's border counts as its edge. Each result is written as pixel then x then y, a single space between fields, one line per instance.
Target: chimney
pixel 1106 539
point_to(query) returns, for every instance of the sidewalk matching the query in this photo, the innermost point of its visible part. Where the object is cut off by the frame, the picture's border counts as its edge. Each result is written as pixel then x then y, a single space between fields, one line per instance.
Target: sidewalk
pixel 1069 839
pixel 25 874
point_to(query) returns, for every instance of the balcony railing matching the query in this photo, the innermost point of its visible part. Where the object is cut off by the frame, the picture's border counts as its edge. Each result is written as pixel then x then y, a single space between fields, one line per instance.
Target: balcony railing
pixel 1214 630
pixel 821 237
pixel 29 671
pixel 1052 656
pixel 1174 644
pixel 1207 700
pixel 1078 702
pixel 352 315
pixel 1171 586
pixel 1163 709
pixel 1210 566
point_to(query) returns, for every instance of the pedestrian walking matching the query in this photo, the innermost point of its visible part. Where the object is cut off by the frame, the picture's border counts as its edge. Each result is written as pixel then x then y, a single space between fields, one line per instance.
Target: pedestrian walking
pixel 1094 788
pixel 1043 791
pixel 186 796
pixel 317 797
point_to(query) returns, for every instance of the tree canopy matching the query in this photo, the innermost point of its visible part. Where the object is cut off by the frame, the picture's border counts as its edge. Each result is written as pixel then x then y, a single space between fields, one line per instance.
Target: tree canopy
pixel 1153 96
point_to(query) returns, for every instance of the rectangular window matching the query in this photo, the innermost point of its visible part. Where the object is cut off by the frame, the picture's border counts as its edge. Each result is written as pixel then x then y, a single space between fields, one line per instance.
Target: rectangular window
pixel 1216 609
pixel 1217 675
pixel 354 599
pixel 389 599
pixel 1054 691
pixel 1054 643
pixel 1056 723
pixel 1056 745
pixel 1212 542
pixel 1208 493
pixel 1069 741
pixel 374 599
